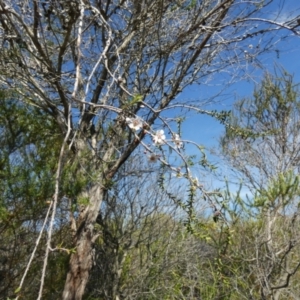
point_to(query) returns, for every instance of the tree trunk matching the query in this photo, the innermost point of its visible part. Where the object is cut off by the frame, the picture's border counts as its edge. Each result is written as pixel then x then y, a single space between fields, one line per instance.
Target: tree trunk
pixel 82 260
pixel 80 266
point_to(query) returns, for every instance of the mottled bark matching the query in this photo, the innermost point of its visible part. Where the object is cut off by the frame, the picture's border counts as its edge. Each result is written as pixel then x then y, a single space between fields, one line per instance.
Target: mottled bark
pixel 80 266
pixel 82 260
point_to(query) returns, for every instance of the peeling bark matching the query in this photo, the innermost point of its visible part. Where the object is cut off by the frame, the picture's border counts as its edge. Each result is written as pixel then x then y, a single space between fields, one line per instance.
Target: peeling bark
pixel 82 260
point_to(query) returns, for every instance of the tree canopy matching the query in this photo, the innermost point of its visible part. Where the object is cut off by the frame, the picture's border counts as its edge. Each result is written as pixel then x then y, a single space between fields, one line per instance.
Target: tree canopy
pixel 97 83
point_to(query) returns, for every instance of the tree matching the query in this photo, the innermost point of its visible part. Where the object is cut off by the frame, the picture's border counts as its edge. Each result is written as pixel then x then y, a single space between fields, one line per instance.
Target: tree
pixel 262 144
pixel 144 250
pixel 106 72
pixel 28 161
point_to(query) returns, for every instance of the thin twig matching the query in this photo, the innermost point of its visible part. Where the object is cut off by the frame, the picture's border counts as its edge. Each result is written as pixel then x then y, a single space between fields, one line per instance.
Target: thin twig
pixel 35 248
pixel 55 200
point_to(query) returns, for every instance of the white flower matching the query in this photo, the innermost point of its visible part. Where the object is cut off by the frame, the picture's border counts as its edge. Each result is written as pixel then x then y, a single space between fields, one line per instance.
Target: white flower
pixel 159 137
pixel 134 124
pixel 176 140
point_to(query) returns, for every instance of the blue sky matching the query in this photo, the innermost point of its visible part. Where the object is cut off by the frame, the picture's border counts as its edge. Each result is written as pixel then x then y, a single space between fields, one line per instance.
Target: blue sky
pixel 204 129
pixel 210 129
